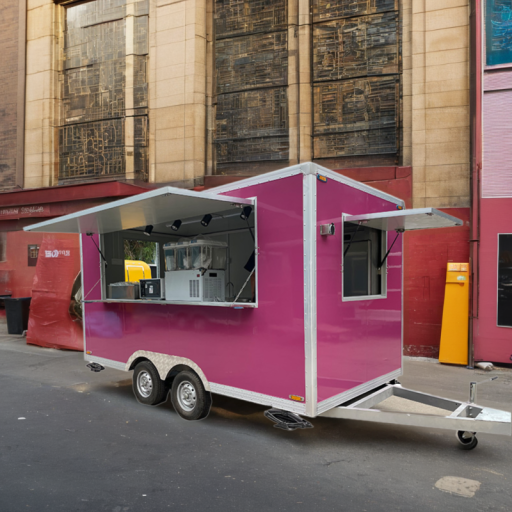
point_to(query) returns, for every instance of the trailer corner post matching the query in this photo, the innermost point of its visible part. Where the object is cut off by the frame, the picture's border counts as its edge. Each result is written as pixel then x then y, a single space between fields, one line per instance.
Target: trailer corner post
pixel 310 313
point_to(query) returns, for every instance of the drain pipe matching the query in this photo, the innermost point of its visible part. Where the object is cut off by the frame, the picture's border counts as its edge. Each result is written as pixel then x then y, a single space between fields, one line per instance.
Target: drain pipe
pixel 476 75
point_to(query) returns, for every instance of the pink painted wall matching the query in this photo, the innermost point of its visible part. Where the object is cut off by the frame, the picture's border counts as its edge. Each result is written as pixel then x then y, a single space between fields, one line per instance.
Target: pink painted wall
pixel 261 349
pixel 492 343
pixel 361 340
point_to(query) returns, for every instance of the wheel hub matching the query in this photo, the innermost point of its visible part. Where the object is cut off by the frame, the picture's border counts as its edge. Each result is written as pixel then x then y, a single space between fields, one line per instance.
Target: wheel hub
pixel 144 384
pixel 187 396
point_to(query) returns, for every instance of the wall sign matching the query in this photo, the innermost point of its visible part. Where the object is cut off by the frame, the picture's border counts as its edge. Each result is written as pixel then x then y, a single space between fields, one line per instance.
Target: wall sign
pixel 17 212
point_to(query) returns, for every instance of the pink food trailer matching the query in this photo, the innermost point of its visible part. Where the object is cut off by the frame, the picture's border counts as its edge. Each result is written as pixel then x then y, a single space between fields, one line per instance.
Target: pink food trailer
pixel 284 289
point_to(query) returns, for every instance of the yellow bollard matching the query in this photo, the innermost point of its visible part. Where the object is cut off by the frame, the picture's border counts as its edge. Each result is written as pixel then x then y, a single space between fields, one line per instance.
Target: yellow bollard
pixel 454 329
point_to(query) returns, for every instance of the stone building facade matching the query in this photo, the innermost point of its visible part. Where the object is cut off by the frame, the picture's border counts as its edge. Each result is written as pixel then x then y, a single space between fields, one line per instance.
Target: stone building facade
pixel 198 92
pixel 170 91
pixel 12 35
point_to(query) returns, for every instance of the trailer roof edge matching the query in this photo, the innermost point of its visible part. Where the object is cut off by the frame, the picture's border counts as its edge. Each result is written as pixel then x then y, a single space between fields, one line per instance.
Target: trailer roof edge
pixel 306 168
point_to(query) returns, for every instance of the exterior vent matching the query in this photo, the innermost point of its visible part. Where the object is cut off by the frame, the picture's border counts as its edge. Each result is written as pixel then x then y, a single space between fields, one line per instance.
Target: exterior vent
pixel 194 288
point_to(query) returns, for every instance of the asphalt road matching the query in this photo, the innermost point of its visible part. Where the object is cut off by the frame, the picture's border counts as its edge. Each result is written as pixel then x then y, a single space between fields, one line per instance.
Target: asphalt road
pixel 73 440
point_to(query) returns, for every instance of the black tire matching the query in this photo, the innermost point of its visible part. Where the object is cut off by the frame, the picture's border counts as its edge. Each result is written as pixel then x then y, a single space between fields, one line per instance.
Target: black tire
pixel 148 388
pixel 467 440
pixel 189 398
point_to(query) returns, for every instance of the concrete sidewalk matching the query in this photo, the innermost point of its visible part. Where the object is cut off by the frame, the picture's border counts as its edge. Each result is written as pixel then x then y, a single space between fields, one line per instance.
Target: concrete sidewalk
pixel 73 440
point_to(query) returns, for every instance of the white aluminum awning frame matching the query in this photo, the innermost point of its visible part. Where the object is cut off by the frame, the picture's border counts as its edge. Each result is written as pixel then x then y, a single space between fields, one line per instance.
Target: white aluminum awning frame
pixel 406 220
pixel 150 208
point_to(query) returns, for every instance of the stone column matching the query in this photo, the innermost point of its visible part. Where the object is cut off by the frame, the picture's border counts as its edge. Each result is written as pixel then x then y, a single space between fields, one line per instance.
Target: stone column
pixel 177 91
pixel 293 80
pixel 440 103
pixel 305 101
pixel 44 28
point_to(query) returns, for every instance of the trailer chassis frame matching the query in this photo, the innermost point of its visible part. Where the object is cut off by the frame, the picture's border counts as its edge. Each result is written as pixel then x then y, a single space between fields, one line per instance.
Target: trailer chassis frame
pixel 463 417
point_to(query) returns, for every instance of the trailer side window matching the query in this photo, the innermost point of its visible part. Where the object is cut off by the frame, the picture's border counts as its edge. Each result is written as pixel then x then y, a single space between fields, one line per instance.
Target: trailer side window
pixel 363 271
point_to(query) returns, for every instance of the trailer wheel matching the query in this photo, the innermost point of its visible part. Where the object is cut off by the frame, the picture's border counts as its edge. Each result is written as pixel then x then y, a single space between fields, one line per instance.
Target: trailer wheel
pixel 189 398
pixel 148 388
pixel 467 440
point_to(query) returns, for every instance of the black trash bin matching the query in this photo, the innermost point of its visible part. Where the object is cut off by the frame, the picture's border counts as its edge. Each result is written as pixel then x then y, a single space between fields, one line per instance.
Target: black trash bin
pixel 16 311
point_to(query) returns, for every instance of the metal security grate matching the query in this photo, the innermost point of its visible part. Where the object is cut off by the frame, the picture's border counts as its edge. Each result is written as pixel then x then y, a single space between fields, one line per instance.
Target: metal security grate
pixel 95 128
pixel 251 67
pixel 238 17
pixel 364 46
pixel 329 9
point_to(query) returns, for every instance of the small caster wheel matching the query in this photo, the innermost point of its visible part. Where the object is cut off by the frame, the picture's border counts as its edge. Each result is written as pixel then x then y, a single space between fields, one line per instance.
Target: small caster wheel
pixel 467 440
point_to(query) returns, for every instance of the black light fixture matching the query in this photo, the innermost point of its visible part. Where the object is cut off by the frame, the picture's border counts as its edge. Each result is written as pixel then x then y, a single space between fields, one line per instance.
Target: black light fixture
pixel 148 230
pixel 176 225
pixel 206 220
pixel 246 211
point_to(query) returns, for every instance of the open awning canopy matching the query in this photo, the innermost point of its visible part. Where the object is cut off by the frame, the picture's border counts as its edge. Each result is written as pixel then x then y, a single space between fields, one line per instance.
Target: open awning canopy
pixel 406 220
pixel 151 208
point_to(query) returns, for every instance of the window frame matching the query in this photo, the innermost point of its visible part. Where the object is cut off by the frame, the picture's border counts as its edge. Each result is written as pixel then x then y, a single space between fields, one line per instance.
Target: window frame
pixel 32 261
pixel 384 269
pixel 489 67
pixel 498 280
pixel 3 246
pixel 160 240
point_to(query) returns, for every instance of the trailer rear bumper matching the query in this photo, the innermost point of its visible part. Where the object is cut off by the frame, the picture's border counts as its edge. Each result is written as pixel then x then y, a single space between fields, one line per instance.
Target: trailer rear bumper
pixel 463 416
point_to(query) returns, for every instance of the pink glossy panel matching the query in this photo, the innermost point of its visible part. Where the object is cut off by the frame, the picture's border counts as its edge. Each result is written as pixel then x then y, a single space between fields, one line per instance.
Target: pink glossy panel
pixel 492 343
pixel 361 340
pixel 259 350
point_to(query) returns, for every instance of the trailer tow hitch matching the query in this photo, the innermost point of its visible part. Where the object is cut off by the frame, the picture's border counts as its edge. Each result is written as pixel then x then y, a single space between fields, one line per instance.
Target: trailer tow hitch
pixel 95 367
pixel 286 420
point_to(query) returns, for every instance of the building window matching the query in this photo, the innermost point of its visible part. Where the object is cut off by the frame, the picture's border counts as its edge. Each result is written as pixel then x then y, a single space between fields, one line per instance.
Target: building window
pixel 33 253
pixel 356 78
pixel 498 32
pixel 251 77
pixel 3 247
pixel 104 124
pixel 505 280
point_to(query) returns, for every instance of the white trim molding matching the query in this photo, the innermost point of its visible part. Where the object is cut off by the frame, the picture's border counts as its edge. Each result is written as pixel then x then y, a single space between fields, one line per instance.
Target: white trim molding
pixel 259 398
pixel 336 400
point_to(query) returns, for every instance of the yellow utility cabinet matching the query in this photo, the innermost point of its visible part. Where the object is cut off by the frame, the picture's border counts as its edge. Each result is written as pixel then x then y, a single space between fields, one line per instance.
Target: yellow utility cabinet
pixel 454 330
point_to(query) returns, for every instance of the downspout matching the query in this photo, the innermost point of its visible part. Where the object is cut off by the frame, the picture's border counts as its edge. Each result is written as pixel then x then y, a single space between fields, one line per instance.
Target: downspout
pixel 476 75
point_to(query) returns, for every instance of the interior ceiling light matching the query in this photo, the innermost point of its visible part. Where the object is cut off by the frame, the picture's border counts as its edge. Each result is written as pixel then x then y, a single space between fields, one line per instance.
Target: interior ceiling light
pixel 206 220
pixel 148 230
pixel 176 225
pixel 246 211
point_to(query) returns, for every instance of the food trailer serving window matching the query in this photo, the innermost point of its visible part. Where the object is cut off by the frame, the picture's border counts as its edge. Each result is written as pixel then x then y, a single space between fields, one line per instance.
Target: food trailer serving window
pixel 366 249
pixel 196 248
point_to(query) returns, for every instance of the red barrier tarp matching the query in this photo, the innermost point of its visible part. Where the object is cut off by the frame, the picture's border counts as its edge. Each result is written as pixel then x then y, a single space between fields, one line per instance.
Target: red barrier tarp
pixel 50 322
